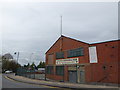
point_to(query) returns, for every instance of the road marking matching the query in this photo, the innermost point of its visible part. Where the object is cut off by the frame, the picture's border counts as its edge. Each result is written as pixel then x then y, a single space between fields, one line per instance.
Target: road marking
pixel 35 84
pixel 8 78
pixel 24 82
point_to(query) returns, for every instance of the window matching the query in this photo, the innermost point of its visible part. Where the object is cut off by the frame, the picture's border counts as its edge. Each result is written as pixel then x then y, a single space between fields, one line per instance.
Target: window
pixel 60 70
pixel 59 55
pixel 49 69
pixel 50 58
pixel 76 52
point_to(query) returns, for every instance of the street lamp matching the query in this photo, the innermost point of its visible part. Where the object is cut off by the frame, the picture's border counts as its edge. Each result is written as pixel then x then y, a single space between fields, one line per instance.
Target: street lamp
pixel 17 56
pixel 17 53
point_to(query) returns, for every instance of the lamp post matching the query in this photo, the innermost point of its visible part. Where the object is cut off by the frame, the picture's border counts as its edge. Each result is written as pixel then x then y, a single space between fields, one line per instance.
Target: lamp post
pixel 17 56
pixel 17 60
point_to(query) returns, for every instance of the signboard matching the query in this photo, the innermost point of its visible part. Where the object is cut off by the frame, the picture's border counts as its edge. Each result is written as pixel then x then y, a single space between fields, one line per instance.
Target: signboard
pixel 93 54
pixel 67 61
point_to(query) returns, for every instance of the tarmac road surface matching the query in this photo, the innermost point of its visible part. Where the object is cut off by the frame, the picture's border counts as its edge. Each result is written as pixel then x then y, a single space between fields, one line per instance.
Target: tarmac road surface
pixel 9 83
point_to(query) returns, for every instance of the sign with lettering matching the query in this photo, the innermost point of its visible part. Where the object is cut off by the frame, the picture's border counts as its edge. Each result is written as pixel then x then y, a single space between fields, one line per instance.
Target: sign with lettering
pixel 67 61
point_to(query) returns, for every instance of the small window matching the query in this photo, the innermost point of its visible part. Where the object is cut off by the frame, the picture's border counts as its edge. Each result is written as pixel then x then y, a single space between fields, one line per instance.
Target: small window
pixel 59 55
pixel 60 70
pixel 76 52
pixel 49 70
pixel 50 59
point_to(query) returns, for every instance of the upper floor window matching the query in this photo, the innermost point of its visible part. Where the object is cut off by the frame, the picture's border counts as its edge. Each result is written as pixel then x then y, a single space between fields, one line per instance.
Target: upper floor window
pixel 50 59
pixel 76 52
pixel 59 55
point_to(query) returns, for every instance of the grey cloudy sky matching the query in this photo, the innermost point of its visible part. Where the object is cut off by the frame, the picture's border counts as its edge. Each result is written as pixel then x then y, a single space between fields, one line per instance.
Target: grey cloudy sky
pixel 34 27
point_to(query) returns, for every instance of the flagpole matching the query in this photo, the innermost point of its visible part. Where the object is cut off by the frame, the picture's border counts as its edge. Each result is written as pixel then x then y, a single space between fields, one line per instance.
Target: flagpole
pixel 61 41
pixel 61 33
pixel 61 27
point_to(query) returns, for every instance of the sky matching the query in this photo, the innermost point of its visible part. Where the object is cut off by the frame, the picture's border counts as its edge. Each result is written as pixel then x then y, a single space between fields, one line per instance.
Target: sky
pixel 31 28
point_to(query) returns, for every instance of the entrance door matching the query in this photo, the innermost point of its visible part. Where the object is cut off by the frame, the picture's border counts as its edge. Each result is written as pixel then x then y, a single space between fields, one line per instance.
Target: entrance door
pixel 82 76
pixel 72 76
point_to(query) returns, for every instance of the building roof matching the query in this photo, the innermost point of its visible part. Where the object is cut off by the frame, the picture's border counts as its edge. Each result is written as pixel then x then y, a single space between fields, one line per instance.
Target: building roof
pixel 79 41
pixel 105 42
pixel 65 37
pixel 7 56
pixel 75 39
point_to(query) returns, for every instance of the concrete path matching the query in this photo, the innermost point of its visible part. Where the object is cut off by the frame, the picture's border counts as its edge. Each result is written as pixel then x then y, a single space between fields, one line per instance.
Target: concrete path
pixel 59 84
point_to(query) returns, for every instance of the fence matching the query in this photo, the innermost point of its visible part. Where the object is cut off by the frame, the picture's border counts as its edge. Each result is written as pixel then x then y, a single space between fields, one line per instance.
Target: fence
pixel 33 74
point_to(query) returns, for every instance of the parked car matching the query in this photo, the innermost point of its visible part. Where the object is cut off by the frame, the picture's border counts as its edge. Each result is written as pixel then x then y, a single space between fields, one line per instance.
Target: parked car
pixel 8 71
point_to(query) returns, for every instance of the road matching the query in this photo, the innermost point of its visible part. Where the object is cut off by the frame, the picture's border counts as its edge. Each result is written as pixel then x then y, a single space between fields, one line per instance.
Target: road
pixel 9 83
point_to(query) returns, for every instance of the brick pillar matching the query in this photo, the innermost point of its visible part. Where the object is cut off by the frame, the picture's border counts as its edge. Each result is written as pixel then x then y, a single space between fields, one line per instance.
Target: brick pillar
pixel 65 73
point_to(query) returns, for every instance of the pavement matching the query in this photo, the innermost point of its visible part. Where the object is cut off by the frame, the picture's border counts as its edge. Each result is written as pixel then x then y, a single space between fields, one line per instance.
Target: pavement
pixel 60 84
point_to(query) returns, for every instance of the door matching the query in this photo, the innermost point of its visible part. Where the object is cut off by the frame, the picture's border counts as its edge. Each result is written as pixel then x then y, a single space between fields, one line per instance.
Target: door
pixel 82 77
pixel 72 76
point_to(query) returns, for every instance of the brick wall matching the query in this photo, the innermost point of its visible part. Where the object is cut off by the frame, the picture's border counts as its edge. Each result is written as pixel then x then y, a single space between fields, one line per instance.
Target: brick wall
pixel 107 68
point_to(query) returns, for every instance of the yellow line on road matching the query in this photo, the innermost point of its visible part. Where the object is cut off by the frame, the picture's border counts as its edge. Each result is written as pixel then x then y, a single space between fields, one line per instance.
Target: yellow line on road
pixel 32 84
pixel 8 78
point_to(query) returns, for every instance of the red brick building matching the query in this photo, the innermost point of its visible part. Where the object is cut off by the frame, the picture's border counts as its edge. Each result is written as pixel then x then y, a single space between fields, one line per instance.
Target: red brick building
pixel 76 61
